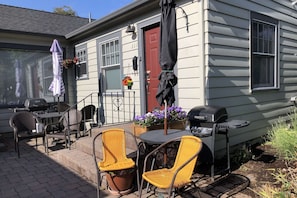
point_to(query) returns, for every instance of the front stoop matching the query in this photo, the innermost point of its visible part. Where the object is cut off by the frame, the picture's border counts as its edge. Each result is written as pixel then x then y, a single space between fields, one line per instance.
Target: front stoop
pixel 82 163
pixel 79 159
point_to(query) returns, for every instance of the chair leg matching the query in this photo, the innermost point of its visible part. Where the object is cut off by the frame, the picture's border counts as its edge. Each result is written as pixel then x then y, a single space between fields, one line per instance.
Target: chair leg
pixel 66 140
pixel 18 148
pixel 46 145
pixel 140 188
pixel 15 143
pixel 98 183
pixel 43 142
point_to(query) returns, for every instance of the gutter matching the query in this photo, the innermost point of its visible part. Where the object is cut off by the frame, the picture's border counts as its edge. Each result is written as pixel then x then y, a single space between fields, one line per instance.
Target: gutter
pixel 204 92
pixel 127 13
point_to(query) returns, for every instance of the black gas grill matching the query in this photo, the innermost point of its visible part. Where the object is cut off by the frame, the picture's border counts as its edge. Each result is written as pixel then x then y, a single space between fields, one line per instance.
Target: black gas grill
pixel 38 105
pixel 207 121
pixel 203 118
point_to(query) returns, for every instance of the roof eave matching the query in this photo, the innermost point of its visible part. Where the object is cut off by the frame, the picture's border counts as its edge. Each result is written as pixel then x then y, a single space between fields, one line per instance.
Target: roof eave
pixel 122 15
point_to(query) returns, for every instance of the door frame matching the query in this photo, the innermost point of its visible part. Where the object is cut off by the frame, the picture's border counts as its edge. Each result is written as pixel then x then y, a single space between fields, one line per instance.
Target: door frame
pixel 142 71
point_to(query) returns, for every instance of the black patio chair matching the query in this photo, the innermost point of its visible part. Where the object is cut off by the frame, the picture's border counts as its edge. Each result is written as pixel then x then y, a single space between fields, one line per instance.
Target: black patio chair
pixel 88 113
pixel 70 125
pixel 24 127
pixel 62 106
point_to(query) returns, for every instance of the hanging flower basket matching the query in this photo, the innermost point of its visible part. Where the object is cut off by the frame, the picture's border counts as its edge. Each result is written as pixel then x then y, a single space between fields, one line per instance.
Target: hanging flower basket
pixel 68 63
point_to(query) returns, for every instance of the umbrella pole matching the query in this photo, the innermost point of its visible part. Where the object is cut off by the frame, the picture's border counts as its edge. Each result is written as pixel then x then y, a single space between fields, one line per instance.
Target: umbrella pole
pixel 165 133
pixel 165 118
pixel 58 104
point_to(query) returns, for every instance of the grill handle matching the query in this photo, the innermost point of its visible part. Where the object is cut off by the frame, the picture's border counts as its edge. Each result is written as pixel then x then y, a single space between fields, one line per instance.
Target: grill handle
pixel 200 117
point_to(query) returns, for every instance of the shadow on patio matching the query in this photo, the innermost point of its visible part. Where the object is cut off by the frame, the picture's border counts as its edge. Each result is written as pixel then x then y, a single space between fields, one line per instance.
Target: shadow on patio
pixel 35 174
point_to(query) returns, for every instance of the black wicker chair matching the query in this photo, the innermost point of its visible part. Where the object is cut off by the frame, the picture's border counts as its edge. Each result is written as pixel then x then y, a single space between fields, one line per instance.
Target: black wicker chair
pixel 24 127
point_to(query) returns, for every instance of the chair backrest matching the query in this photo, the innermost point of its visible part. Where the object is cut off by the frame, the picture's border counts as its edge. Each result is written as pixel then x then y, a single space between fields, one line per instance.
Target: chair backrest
pixel 88 112
pixel 189 145
pixel 23 121
pixel 62 106
pixel 114 145
pixel 72 119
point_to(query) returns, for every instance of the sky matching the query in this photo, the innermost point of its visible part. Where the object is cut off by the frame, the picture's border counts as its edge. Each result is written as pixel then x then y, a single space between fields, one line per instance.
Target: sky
pixel 83 8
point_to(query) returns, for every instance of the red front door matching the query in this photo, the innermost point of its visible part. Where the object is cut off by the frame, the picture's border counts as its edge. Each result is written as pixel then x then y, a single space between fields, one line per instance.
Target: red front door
pixel 152 40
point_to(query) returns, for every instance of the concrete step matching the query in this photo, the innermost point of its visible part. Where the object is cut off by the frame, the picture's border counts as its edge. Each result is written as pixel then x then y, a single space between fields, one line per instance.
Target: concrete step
pixel 80 157
pixel 81 163
pixel 85 144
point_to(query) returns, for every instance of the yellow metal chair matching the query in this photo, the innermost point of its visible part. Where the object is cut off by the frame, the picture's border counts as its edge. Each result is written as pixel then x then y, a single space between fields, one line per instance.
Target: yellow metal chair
pixel 114 157
pixel 180 174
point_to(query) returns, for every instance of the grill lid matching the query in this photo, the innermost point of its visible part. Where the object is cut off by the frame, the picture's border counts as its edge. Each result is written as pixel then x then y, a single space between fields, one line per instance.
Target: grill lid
pixel 214 114
pixel 36 104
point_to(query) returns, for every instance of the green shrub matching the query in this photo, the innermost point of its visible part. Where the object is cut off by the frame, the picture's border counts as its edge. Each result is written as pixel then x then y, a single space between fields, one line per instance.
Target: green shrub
pixel 283 138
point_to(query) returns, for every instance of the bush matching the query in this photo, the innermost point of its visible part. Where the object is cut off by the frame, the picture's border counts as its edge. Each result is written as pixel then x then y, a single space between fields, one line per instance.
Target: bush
pixel 283 138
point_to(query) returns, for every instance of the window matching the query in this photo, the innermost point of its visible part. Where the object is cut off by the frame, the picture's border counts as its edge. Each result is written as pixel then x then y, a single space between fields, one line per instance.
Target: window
pixel 264 34
pixel 25 73
pixel 110 64
pixel 47 75
pixel 81 65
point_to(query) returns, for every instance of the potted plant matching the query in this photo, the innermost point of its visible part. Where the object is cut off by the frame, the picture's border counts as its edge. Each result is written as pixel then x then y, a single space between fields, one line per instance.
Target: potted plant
pixel 120 181
pixel 176 119
pixel 68 63
pixel 127 81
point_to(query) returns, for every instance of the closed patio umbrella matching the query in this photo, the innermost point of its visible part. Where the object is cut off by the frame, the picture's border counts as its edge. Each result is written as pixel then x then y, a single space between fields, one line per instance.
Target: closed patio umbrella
pixel 20 91
pixel 168 56
pixel 57 85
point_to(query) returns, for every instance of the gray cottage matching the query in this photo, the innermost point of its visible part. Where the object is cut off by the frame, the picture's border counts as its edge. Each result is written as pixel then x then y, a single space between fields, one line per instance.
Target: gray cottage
pixel 237 54
pixel 25 39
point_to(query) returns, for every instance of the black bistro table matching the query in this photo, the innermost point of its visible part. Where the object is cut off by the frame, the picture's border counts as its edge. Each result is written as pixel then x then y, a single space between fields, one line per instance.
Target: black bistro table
pixel 156 137
pixel 47 118
pixel 44 117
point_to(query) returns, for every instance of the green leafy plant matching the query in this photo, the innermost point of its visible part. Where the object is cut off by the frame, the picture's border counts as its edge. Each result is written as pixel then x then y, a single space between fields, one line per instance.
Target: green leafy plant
pixel 283 137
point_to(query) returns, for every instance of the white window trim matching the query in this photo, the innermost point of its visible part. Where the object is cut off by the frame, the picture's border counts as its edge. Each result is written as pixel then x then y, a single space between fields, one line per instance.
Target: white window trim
pixel 114 38
pixel 276 60
pixel 84 76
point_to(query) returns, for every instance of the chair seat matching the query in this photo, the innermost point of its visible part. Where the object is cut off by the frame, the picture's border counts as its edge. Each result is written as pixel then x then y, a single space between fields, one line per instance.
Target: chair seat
pixel 56 134
pixel 162 178
pixel 60 134
pixel 29 134
pixel 108 166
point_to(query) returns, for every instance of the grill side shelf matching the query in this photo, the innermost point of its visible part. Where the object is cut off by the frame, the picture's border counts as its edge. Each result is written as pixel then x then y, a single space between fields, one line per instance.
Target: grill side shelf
pixel 233 124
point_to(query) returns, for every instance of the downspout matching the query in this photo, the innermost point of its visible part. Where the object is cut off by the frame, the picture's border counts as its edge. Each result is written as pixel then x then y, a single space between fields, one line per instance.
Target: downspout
pixel 202 48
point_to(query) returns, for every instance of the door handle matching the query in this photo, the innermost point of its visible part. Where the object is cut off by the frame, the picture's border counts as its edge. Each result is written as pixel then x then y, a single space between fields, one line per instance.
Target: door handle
pixel 148 79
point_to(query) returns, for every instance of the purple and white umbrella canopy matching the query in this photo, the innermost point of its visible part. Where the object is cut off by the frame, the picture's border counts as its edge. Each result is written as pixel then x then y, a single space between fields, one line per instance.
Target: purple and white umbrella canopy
pixel 57 85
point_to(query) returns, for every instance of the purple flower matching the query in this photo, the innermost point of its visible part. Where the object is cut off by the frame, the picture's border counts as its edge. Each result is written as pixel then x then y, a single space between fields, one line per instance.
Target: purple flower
pixel 174 113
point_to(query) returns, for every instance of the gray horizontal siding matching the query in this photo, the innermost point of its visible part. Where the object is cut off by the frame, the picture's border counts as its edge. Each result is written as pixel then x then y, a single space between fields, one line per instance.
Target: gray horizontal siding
pixel 5 114
pixel 228 65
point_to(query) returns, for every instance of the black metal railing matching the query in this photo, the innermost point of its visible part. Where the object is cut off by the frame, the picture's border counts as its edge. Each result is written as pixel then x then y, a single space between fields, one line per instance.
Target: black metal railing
pixel 111 107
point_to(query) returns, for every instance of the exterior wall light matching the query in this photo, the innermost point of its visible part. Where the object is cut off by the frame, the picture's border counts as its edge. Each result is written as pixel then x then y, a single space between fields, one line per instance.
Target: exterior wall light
pixel 130 29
